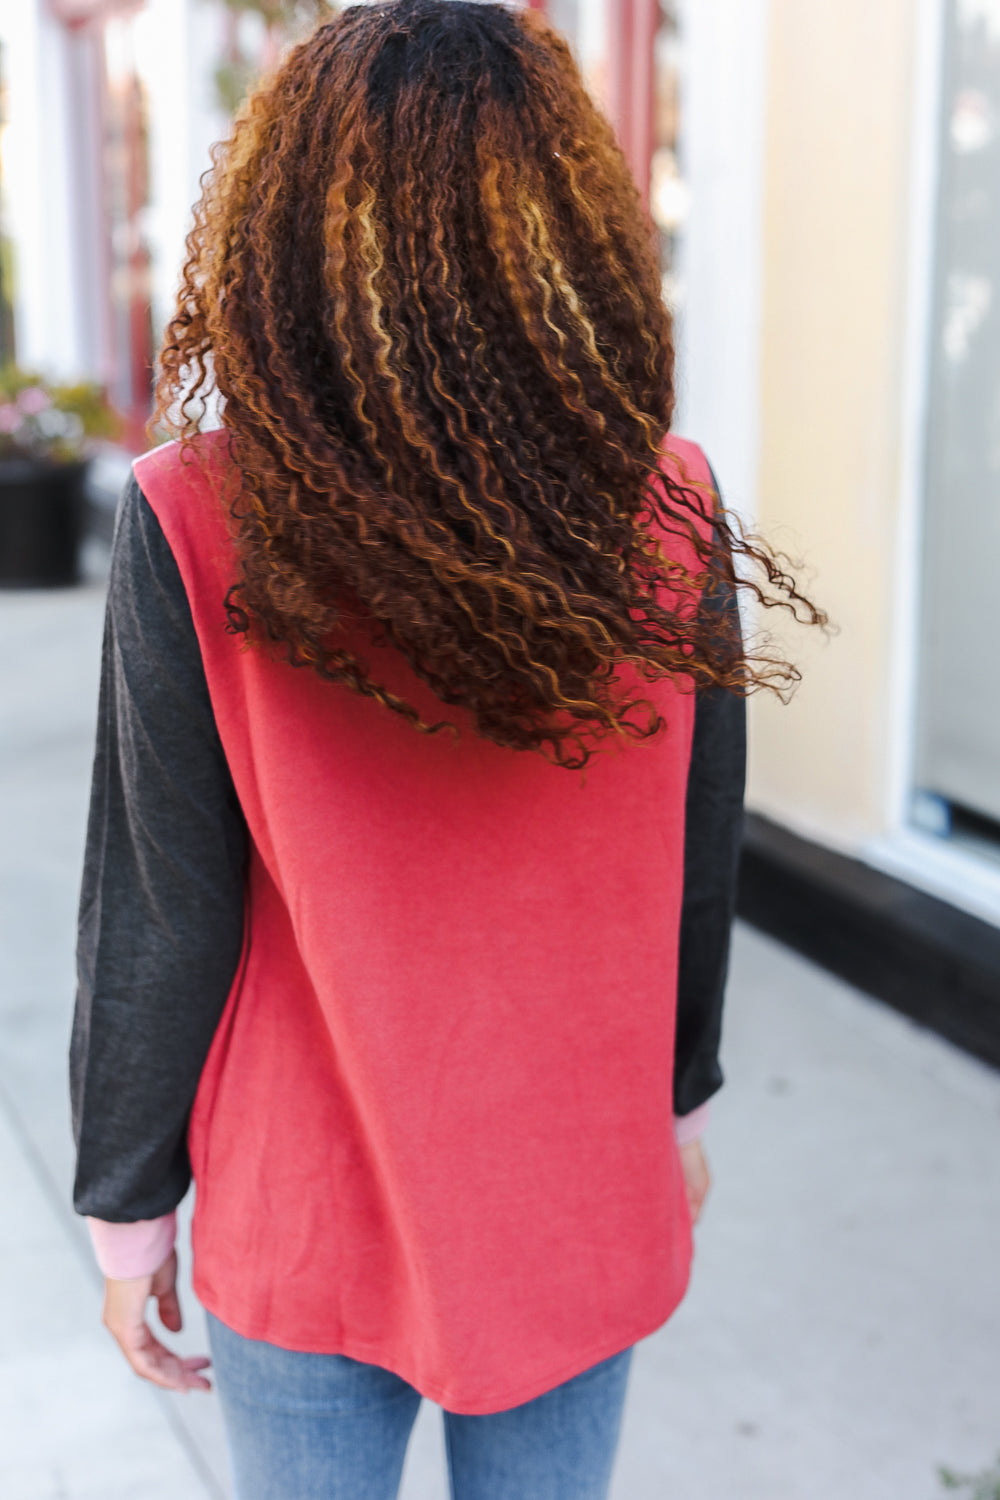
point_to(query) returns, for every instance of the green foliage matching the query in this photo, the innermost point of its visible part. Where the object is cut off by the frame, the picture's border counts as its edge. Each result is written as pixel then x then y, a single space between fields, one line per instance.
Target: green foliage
pixel 982 1486
pixel 233 81
pixel 53 422
pixel 288 15
pixel 286 19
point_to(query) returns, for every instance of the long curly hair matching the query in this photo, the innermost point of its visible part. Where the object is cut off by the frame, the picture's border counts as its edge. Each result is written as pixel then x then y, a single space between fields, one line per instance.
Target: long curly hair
pixel 422 282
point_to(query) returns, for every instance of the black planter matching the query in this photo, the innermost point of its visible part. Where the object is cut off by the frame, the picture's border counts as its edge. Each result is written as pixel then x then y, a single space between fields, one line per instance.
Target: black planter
pixel 41 522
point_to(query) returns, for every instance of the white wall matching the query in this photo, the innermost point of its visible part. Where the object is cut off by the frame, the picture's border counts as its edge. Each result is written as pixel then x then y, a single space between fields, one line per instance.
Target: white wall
pixel 834 350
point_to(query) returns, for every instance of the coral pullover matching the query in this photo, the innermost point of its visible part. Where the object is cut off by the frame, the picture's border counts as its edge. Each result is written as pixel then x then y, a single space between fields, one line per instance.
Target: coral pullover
pixel 434 1127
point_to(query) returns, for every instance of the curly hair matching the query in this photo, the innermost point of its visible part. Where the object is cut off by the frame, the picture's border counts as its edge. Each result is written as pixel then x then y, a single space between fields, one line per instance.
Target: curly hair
pixel 422 282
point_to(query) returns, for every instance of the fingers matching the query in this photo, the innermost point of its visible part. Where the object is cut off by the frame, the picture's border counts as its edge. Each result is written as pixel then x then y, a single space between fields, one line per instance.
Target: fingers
pixel 125 1318
pixel 164 1289
pixel 152 1361
pixel 169 1309
pixel 697 1193
pixel 697 1179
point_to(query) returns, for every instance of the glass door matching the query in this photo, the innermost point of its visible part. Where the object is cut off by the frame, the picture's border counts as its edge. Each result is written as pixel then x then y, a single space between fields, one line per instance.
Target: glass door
pixel 958 731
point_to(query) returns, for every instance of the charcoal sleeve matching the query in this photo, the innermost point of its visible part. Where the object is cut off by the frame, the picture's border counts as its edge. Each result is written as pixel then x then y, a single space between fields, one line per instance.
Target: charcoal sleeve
pixel 712 840
pixel 162 901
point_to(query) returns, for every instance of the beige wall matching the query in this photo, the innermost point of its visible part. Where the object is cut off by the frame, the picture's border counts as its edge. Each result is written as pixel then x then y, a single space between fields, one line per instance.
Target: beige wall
pixel 837 173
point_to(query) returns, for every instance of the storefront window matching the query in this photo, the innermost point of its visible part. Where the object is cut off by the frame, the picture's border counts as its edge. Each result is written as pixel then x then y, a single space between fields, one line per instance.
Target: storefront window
pixel 958 733
pixel 8 353
pixel 668 193
pixel 126 179
pixel 585 25
pixel 110 189
pixel 630 55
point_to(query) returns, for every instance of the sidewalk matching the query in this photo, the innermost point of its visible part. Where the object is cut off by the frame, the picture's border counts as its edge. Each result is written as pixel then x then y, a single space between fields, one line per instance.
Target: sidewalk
pixel 841 1337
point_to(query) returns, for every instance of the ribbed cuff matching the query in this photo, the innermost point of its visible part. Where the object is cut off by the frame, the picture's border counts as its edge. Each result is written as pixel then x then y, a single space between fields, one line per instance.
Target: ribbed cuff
pixel 689 1127
pixel 127 1250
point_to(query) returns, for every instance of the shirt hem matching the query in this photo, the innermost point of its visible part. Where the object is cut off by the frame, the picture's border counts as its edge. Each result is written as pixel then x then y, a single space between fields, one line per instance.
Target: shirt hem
pixel 475 1407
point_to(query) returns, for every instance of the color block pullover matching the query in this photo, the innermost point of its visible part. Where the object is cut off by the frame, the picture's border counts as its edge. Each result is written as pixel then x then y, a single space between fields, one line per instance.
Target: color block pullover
pixel 417 1014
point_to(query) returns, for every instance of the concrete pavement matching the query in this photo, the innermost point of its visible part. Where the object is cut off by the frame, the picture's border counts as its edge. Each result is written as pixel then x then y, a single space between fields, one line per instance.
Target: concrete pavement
pixel 842 1332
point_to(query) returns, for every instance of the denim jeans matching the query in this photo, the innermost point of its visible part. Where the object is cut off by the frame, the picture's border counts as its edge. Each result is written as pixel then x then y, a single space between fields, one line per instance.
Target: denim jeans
pixel 326 1427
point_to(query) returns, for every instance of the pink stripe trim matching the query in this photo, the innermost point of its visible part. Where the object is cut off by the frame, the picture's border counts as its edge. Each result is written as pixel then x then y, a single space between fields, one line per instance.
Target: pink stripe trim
pixel 127 1250
pixel 688 1128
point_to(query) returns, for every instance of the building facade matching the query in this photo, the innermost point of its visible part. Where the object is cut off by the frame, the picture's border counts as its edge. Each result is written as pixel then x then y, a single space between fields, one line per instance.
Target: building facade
pixel 834 262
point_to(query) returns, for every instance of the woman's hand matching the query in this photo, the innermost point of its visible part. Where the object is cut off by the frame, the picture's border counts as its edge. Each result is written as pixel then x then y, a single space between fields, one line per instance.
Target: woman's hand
pixel 125 1318
pixel 696 1176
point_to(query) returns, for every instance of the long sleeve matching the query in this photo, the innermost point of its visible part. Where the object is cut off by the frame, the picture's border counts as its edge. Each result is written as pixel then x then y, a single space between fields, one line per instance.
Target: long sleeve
pixel 161 909
pixel 713 835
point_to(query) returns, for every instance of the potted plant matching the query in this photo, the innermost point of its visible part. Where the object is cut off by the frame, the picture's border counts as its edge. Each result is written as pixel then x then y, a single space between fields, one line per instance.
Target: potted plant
pixel 46 432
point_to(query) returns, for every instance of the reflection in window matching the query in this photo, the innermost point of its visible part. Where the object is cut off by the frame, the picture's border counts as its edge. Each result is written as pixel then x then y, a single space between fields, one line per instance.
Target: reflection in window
pixel 7 350
pixel 669 194
pixel 630 55
pixel 584 24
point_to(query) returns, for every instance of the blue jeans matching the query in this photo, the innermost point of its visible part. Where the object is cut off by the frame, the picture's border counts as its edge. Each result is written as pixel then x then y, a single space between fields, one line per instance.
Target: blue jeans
pixel 326 1427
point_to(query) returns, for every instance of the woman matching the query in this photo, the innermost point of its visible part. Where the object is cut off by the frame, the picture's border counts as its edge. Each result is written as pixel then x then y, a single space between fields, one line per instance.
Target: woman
pixel 417 795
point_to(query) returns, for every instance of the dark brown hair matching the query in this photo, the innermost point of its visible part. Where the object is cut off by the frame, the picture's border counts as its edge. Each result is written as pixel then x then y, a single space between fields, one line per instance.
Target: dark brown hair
pixel 422 281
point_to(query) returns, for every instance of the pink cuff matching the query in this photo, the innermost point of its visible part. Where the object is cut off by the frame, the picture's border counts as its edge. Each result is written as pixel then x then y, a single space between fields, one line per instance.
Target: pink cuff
pixel 688 1128
pixel 127 1250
